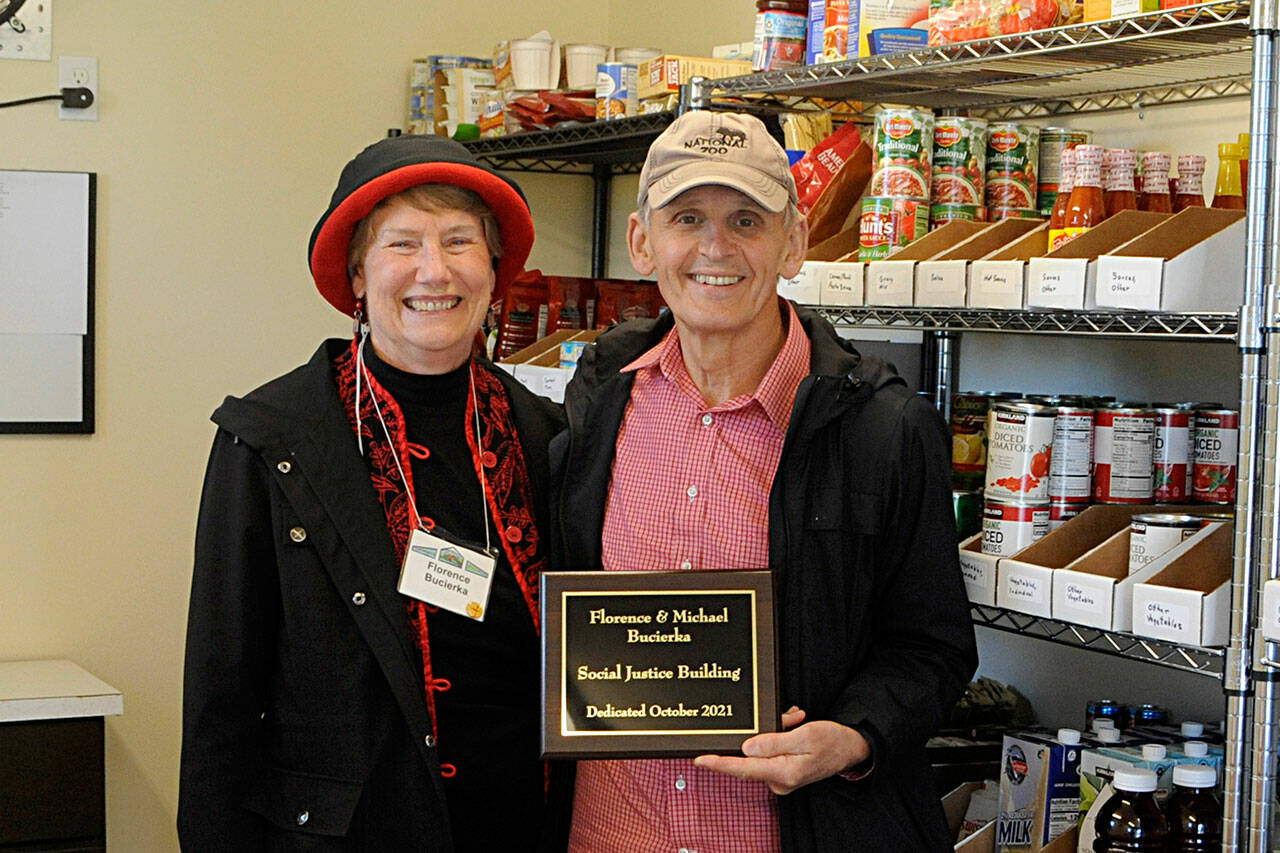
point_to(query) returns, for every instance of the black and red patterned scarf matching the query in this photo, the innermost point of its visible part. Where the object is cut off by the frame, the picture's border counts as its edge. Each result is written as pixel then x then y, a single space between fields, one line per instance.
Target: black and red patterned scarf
pixel 506 478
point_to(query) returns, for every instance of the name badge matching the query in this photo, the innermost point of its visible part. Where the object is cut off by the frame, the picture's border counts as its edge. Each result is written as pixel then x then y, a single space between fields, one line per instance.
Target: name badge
pixel 447 574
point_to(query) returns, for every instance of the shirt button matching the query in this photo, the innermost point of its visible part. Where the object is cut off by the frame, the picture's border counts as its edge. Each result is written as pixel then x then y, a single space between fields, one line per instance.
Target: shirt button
pixel 514 534
pixel 681 784
pixel 303 817
pixel 488 459
pixel 430 741
pixel 284 467
pixel 358 599
pixel 692 491
pixel 298 534
pixel 707 419
pixel 686 565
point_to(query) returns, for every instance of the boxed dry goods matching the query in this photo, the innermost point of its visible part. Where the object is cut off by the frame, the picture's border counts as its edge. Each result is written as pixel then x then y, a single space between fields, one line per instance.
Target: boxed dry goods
pixel 667 73
pixel 886 26
pixel 422 98
pixel 828 32
pixel 463 96
pixel 1103 10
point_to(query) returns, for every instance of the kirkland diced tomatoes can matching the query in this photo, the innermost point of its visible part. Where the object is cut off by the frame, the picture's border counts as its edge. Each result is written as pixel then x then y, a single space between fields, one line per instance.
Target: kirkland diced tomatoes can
pixel 887 224
pixel 1217 441
pixel 903 146
pixel 1008 527
pixel 1173 454
pixel 1019 445
pixel 1013 159
pixel 1071 464
pixel 959 161
pixel 1124 440
pixel 1155 533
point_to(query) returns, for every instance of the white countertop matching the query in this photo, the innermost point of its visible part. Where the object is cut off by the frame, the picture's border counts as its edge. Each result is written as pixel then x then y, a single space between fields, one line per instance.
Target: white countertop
pixel 53 689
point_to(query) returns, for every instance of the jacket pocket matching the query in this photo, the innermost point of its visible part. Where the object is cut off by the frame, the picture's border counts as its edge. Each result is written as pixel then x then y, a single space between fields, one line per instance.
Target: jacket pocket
pixel 304 802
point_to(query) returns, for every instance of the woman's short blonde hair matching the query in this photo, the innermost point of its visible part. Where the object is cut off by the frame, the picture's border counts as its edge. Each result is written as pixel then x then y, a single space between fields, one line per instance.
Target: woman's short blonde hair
pixel 431 198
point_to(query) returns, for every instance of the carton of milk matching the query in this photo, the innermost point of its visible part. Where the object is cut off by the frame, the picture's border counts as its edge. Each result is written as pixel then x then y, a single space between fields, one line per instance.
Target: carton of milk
pixel 1039 789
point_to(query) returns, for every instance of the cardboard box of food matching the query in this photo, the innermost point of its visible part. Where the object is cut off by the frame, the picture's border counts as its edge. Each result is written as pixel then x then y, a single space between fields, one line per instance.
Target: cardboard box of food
pixel 537 366
pixel 998 280
pixel 1067 277
pixel 1194 261
pixel 943 279
pixel 979 570
pixel 667 73
pixel 1025 581
pixel 1188 600
pixel 1105 10
pixel 1096 588
pixel 892 281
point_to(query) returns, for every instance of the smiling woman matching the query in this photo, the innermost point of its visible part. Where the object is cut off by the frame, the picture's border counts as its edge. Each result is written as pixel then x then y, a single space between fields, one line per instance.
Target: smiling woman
pixel 322 697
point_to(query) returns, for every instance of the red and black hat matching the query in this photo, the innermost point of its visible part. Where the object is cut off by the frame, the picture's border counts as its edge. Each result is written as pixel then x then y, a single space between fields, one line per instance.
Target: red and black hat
pixel 394 164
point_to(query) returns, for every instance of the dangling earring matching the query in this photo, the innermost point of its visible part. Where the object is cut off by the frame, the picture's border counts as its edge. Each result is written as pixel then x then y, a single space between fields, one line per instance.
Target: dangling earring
pixel 358 325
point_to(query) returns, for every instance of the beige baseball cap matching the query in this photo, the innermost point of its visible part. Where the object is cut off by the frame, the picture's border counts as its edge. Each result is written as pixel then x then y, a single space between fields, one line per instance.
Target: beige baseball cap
pixel 725 149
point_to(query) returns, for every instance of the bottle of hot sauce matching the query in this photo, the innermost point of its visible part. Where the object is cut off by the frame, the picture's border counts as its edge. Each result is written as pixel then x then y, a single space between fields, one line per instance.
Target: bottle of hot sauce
pixel 1190 182
pixel 1227 192
pixel 1066 181
pixel 1117 191
pixel 1155 182
pixel 1244 140
pixel 1085 208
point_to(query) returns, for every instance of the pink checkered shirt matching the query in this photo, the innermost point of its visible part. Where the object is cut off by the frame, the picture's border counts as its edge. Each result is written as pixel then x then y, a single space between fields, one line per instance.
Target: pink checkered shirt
pixel 690 491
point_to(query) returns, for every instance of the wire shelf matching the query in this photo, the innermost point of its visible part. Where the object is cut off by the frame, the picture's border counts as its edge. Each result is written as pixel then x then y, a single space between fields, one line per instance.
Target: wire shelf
pixel 618 145
pixel 1124 324
pixel 1189 53
pixel 1194 659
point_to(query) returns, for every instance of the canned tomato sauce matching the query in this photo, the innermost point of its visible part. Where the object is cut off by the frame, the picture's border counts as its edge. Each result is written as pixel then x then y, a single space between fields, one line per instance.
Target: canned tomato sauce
pixel 1019 446
pixel 903 148
pixel 1013 159
pixel 887 224
pixel 1071 463
pixel 1171 458
pixel 959 160
pixel 1154 533
pixel 1123 442
pixel 1217 441
pixel 1008 528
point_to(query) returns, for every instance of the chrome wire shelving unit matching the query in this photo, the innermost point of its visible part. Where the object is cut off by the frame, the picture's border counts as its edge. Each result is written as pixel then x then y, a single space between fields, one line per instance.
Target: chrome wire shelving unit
pixel 1195 659
pixel 1187 54
pixel 618 145
pixel 1210 326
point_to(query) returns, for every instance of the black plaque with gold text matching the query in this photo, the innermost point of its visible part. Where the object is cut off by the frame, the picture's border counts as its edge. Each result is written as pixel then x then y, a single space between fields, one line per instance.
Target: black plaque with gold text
pixel 656 664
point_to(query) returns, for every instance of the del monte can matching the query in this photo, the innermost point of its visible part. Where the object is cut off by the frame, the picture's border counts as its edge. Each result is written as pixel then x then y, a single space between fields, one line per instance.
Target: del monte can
pixel 903 147
pixel 1013 158
pixel 959 160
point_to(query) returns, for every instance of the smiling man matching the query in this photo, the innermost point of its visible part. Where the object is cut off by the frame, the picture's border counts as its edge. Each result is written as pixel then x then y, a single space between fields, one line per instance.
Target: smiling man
pixel 740 432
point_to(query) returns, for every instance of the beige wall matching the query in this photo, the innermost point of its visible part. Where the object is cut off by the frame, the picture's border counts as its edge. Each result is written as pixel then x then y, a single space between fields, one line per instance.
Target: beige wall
pixel 223 127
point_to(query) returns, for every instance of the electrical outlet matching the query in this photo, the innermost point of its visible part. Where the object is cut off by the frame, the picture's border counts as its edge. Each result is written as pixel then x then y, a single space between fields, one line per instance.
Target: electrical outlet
pixel 79 71
pixel 28 34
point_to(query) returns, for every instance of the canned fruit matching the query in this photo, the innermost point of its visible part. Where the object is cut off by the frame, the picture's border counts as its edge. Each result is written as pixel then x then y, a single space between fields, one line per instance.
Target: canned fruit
pixel 1012 163
pixel 959 160
pixel 969 439
pixel 887 224
pixel 903 143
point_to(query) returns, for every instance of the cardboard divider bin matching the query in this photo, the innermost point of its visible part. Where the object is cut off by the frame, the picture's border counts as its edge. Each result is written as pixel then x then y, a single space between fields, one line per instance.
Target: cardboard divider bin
pixel 1194 261
pixel 1269 618
pixel 1188 599
pixel 832 274
pixel 1025 579
pixel 979 570
pixel 999 278
pixel 943 279
pixel 1067 278
pixel 892 281
pixel 537 366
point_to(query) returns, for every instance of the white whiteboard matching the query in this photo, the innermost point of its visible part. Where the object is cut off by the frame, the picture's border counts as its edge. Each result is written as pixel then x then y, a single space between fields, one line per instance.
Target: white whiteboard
pixel 46 301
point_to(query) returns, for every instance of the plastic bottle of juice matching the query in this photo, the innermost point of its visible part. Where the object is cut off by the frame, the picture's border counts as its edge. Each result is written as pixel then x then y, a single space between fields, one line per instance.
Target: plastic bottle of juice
pixel 1066 181
pixel 1118 192
pixel 1227 192
pixel 1155 182
pixel 1193 812
pixel 1130 821
pixel 1085 208
pixel 1190 182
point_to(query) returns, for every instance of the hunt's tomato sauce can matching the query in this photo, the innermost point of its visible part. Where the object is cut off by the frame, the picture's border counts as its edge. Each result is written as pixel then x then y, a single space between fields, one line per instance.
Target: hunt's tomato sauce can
pixel 959 161
pixel 887 224
pixel 1013 158
pixel 1217 441
pixel 1008 527
pixel 903 147
pixel 1124 440
pixel 1173 454
pixel 1071 463
pixel 1019 446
